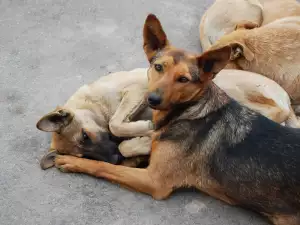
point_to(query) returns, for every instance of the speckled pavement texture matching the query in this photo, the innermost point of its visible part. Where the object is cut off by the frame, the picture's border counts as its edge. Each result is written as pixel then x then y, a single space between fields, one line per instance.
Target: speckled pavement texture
pixel 48 49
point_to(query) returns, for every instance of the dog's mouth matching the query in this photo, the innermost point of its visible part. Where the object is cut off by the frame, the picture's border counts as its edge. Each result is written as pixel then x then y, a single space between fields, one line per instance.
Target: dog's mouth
pixel 157 107
pixel 48 160
pixel 152 106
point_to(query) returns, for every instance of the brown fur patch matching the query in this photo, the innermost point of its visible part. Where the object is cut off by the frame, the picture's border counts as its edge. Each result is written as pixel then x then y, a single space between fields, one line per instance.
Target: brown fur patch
pixel 177 55
pixel 63 145
pixel 260 99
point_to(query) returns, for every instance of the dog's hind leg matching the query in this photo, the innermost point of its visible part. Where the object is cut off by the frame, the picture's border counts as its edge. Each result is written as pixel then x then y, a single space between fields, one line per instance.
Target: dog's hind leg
pixel 141 180
pixel 132 103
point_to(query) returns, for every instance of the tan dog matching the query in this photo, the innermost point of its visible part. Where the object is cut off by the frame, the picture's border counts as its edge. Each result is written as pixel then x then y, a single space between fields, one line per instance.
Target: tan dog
pixel 112 104
pixel 223 16
pixel 272 50
pixel 82 126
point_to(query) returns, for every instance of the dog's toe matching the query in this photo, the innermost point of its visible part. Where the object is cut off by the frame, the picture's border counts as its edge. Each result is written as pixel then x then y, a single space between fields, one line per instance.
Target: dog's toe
pixel 62 169
pixel 66 164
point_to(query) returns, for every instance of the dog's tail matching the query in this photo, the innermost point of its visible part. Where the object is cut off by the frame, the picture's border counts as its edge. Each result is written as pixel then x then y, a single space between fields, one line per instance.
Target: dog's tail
pixel 204 39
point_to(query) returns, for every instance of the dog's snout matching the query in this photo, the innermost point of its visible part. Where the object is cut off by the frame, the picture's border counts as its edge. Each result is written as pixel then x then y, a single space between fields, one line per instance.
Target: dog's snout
pixel 154 99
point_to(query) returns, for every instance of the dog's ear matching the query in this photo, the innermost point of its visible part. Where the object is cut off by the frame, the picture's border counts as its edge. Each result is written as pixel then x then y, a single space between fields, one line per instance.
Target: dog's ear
pixel 246 25
pixel 47 160
pixel 55 120
pixel 154 36
pixel 212 62
pixel 241 49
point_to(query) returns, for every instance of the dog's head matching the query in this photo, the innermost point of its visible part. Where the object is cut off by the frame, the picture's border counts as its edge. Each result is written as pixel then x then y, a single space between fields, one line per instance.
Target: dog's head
pixel 77 133
pixel 177 76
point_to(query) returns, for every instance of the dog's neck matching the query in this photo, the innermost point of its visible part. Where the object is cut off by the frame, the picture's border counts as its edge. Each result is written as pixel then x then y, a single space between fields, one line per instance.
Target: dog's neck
pixel 213 98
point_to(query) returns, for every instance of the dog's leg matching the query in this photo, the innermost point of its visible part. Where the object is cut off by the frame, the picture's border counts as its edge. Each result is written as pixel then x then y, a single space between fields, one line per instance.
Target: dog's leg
pixel 141 180
pixel 285 219
pixel 136 161
pixel 135 147
pixel 132 103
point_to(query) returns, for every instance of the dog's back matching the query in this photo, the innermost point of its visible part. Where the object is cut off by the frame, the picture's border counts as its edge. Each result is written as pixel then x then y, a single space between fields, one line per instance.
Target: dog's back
pixel 244 154
pixel 257 156
pixel 107 90
pixel 278 9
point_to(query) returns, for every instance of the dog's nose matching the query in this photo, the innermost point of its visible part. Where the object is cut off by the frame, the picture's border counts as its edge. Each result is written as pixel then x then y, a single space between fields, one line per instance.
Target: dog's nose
pixel 154 99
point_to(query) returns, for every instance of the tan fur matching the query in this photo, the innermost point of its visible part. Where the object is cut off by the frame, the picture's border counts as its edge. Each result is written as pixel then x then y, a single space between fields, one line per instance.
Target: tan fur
pixel 272 50
pixel 258 93
pixel 223 15
pixel 114 103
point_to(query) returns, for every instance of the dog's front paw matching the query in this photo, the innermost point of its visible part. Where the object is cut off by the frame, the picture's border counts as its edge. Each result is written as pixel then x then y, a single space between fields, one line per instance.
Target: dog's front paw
pixel 66 164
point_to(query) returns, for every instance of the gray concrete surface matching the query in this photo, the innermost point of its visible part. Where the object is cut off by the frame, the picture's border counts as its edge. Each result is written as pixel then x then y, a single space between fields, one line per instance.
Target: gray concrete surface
pixel 49 48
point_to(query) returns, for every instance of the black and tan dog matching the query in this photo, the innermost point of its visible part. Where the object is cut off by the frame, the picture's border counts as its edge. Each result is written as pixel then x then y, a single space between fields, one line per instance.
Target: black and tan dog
pixel 205 139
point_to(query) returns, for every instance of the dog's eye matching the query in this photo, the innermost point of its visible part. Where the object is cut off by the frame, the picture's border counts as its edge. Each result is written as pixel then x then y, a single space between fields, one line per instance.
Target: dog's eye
pixel 158 67
pixel 85 137
pixel 182 79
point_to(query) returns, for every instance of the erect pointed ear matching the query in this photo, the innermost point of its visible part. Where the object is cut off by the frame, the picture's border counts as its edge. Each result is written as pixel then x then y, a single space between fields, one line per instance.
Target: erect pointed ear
pixel 55 120
pixel 240 49
pixel 212 62
pixel 154 36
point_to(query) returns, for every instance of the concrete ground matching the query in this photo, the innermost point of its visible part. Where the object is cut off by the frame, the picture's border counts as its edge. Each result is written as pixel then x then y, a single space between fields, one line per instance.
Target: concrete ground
pixel 49 48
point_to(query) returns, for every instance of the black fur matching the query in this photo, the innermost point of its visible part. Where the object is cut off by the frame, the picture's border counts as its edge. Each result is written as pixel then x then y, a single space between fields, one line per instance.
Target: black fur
pixel 182 129
pixel 208 66
pixel 104 149
pixel 271 153
pixel 264 158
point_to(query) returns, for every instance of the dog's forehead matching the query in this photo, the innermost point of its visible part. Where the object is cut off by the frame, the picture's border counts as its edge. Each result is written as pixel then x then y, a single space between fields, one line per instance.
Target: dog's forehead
pixel 176 56
pixel 184 61
pixel 179 55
